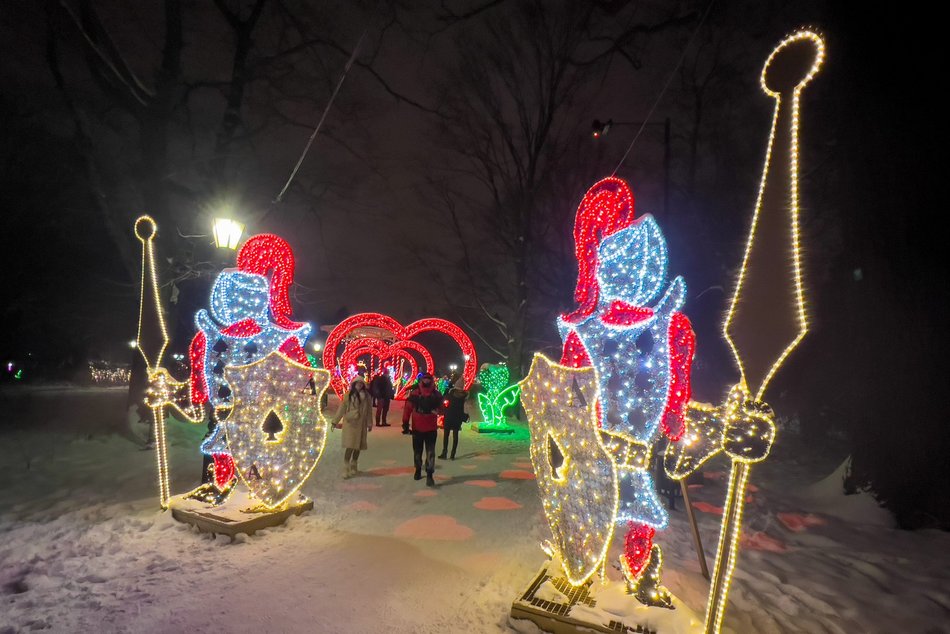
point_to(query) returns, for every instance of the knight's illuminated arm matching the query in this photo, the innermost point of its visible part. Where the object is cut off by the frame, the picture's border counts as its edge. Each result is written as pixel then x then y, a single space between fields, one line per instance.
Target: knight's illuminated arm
pixel 700 441
pixel 164 390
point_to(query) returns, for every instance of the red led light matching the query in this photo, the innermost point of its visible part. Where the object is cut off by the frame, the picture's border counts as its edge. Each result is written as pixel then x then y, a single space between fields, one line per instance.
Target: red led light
pixel 403 336
pixel 637 545
pixel 623 314
pixel 383 355
pixel 267 254
pixel 196 356
pixel 607 208
pixel 224 469
pixel 682 348
pixel 574 354
pixel 244 328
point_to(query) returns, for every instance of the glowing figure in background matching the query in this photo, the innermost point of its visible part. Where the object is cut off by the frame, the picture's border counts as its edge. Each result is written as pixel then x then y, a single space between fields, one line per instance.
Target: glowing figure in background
pixel 249 318
pixel 632 350
pixel 496 396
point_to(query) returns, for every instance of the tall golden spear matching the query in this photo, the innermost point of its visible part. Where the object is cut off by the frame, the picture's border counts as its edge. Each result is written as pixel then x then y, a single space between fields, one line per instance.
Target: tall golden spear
pixel 151 340
pixel 766 318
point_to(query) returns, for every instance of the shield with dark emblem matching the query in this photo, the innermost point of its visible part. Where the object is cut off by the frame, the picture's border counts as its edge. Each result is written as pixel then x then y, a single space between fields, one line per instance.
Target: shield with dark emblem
pixel 276 431
pixel 575 473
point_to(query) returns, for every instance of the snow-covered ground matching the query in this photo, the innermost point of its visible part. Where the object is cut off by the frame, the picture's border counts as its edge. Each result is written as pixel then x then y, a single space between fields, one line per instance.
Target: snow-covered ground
pixel 83 547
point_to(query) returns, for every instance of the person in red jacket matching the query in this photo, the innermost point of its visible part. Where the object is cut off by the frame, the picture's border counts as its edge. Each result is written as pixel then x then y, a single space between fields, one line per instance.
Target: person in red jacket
pixel 423 406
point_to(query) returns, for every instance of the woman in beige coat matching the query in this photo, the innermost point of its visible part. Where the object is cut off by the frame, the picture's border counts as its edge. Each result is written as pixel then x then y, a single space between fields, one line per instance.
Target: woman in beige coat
pixel 356 412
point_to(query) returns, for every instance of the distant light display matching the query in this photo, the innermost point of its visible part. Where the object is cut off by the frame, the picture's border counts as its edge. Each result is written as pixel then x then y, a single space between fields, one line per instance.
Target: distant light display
pixel 496 396
pixel 399 349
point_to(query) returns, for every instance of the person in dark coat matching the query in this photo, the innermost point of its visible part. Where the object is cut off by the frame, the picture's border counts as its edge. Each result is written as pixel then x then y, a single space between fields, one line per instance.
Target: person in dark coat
pixel 422 409
pixel 383 392
pixel 454 417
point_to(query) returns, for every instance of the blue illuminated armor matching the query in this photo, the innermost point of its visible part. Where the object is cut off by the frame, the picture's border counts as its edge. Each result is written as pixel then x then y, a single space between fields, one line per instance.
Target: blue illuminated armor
pixel 237 297
pixel 632 362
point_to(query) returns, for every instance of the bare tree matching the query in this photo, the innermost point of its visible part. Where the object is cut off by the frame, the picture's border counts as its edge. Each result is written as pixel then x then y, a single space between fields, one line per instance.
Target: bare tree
pixel 512 119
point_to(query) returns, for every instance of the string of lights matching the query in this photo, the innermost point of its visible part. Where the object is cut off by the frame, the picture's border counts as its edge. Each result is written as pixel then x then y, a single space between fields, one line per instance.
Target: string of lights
pixel 496 396
pixel 748 430
pixel 332 359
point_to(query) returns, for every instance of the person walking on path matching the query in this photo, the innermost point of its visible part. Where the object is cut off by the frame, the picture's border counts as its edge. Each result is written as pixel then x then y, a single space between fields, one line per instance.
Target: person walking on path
pixel 356 412
pixel 422 409
pixel 454 417
pixel 381 387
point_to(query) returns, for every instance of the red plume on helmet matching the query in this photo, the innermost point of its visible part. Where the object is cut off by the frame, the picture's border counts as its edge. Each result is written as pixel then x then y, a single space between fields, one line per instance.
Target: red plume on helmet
pixel 270 255
pixel 607 208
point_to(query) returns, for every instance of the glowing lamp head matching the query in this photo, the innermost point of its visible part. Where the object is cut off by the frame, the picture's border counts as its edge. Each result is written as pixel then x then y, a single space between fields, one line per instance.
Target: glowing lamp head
pixel 227 233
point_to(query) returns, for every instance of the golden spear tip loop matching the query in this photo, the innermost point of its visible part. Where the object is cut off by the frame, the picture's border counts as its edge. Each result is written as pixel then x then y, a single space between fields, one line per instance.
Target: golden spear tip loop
pixel 792 63
pixel 145 228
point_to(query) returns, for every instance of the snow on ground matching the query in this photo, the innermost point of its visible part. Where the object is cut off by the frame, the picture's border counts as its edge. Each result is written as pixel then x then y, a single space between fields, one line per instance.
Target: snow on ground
pixel 83 548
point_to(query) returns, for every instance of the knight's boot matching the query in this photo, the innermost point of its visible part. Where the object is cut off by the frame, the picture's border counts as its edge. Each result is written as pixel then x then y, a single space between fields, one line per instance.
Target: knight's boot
pixel 210 493
pixel 646 586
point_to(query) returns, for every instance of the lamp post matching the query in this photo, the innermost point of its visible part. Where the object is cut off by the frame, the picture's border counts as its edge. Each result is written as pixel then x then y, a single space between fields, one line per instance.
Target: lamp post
pixel 601 128
pixel 227 233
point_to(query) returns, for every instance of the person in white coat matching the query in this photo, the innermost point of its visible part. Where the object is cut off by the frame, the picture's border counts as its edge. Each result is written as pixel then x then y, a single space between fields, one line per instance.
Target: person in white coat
pixel 356 414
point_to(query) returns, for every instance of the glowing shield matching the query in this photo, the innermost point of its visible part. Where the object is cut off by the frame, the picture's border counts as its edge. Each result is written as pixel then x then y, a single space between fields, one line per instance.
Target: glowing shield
pixel 575 473
pixel 276 431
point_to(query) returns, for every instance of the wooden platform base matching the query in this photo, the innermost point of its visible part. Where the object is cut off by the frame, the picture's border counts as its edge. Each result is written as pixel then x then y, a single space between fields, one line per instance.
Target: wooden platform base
pixel 481 428
pixel 228 519
pixel 555 614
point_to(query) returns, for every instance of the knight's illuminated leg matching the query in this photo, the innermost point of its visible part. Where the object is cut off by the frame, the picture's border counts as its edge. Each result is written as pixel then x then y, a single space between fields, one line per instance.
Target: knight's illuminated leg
pixel 224 469
pixel 641 562
pixel 636 552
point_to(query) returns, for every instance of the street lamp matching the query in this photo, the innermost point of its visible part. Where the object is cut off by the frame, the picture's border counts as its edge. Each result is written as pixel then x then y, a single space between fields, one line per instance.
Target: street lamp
pixel 227 233
pixel 317 346
pixel 454 367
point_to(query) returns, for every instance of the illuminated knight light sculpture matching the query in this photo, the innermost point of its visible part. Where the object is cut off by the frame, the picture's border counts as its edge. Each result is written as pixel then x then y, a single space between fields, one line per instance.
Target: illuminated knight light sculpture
pixel 249 319
pixel 593 415
pixel 249 366
pixel 623 381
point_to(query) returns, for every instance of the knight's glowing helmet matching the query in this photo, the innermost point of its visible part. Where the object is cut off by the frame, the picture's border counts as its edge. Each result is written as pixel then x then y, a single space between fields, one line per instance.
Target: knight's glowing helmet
pixel 237 296
pixel 632 263
pixel 629 344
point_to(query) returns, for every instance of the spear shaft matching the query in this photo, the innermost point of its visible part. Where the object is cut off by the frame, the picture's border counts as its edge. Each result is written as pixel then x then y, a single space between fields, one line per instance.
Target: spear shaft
pixel 151 341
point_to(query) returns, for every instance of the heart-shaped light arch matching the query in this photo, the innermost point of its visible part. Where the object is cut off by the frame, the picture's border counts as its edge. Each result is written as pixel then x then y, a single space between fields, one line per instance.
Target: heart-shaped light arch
pixel 401 335
pixel 396 351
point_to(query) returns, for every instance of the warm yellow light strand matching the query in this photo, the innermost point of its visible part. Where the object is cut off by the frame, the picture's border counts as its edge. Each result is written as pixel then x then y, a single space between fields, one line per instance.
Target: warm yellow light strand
pixel 534 398
pixel 730 529
pixel 158 415
pixel 279 362
pixel 148 261
pixel 794 204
